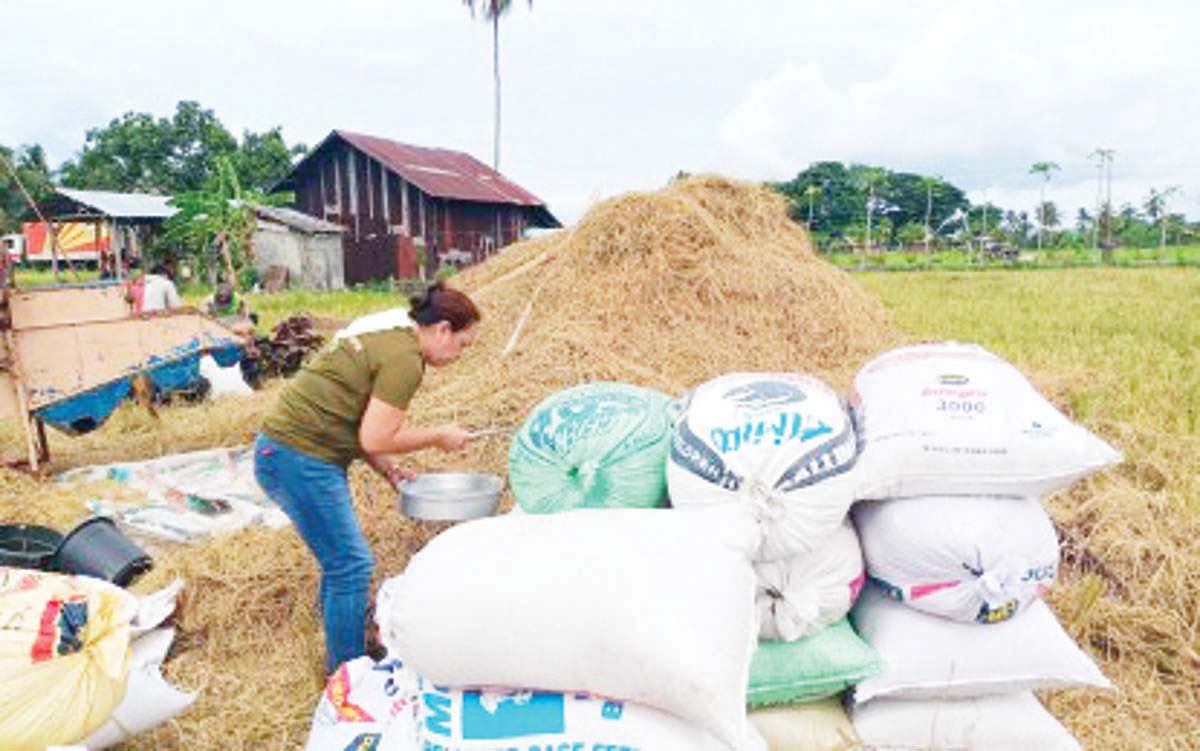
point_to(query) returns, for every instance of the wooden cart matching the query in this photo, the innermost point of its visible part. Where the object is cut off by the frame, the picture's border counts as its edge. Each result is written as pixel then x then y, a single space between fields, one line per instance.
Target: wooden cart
pixel 69 354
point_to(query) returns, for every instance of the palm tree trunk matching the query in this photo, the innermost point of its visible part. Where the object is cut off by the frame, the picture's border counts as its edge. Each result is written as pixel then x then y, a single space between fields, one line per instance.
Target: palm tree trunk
pixel 1042 216
pixel 928 211
pixel 496 77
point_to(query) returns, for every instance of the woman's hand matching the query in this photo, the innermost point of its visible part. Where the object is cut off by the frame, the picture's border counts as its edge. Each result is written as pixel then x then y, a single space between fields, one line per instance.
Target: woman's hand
pixel 452 437
pixel 397 474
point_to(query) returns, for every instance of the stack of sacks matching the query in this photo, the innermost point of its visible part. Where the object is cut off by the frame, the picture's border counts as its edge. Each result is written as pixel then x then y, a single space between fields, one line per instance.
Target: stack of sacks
pixel 599 445
pixel 80 661
pixel 958 448
pixel 781 446
pixel 652 610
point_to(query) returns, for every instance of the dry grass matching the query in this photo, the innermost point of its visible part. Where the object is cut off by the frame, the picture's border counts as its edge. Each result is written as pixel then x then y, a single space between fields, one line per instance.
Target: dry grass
pixel 664 290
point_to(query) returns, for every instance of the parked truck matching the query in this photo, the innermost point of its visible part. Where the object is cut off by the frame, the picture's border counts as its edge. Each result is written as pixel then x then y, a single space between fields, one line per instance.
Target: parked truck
pixel 77 241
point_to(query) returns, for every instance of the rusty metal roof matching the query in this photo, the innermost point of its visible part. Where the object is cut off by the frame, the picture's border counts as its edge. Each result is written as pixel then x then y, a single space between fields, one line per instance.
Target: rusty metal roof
pixel 441 172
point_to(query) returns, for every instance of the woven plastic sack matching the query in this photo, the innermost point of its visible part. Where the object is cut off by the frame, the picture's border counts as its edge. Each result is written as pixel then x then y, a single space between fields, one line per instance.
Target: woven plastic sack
pixel 927 657
pixel 149 700
pixel 955 419
pixel 819 726
pixel 502 719
pixel 992 723
pixel 968 559
pixel 653 606
pixel 803 594
pixel 809 669
pixel 367 705
pixel 778 443
pixel 64 656
pixel 600 445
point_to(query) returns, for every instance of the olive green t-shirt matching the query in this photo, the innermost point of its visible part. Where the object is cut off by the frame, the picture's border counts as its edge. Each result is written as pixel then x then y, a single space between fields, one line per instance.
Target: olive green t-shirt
pixel 319 411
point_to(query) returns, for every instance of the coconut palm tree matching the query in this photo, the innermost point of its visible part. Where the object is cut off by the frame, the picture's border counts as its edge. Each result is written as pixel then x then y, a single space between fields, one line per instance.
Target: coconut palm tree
pixel 1104 160
pixel 1044 169
pixel 492 10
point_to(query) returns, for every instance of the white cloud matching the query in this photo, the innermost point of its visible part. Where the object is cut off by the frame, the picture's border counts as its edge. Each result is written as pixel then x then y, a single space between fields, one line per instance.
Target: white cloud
pixel 987 90
pixel 610 96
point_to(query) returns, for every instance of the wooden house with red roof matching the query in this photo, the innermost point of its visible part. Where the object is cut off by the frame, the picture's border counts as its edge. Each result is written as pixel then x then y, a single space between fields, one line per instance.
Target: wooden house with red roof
pixel 402 205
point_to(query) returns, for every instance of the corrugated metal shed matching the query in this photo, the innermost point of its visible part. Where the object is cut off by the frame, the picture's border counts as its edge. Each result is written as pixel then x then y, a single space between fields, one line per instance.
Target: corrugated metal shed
pixel 297 220
pixel 106 203
pixel 441 173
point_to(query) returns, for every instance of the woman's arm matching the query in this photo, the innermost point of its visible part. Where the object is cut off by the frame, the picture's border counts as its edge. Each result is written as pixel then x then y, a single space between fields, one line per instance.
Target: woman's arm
pixel 384 430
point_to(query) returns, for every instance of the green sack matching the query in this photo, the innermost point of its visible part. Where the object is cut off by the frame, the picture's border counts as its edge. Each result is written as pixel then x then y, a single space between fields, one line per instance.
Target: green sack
pixel 812 668
pixel 600 445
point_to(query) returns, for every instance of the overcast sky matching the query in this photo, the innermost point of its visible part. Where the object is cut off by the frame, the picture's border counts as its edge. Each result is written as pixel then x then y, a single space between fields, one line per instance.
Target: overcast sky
pixel 606 96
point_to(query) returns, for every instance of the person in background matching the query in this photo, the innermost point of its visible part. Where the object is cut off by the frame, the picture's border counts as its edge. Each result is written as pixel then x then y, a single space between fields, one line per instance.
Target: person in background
pixel 108 268
pixel 351 402
pixel 224 303
pixel 158 290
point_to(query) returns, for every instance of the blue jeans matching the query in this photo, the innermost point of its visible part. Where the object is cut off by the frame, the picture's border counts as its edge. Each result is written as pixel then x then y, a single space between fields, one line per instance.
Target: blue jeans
pixel 316 496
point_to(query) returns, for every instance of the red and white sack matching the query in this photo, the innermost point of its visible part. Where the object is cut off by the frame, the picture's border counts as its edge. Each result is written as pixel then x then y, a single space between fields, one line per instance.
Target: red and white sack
pixel 367 705
pixel 967 559
pixel 780 444
pixel 955 419
pixel 800 596
pixel 653 606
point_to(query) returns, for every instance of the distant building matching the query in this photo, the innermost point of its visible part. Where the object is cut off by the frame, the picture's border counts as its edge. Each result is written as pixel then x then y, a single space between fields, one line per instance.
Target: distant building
pixel 402 206
pixel 309 248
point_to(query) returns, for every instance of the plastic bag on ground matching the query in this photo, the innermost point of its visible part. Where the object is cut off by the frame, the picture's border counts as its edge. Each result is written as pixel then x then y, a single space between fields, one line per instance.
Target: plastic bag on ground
pixel 811 668
pixel 819 726
pixel 64 656
pixel 993 723
pixel 781 444
pixel 149 700
pixel 653 606
pixel 955 419
pixel 600 445
pixel 968 559
pixel 224 381
pixel 927 657
pixel 801 595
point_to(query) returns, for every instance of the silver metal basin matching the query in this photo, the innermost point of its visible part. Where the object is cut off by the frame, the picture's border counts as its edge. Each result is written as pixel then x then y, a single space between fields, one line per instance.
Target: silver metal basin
pixel 450 496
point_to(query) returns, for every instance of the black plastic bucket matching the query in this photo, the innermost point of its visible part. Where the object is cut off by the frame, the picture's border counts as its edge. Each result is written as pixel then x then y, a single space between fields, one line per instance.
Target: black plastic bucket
pixel 27 545
pixel 97 548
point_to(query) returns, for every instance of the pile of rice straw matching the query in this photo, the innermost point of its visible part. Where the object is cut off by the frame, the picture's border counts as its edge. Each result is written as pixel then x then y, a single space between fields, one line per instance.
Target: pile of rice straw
pixel 664 290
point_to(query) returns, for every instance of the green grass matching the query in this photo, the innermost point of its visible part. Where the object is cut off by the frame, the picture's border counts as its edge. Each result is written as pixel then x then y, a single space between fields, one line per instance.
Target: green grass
pixel 38 276
pixel 1131 337
pixel 1050 258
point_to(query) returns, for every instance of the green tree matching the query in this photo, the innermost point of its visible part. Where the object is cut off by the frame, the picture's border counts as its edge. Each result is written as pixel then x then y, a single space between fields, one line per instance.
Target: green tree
pixel 492 10
pixel 1156 209
pixel 1045 169
pixel 140 153
pixel 1048 215
pixel 22 169
pixel 214 225
pixel 263 159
